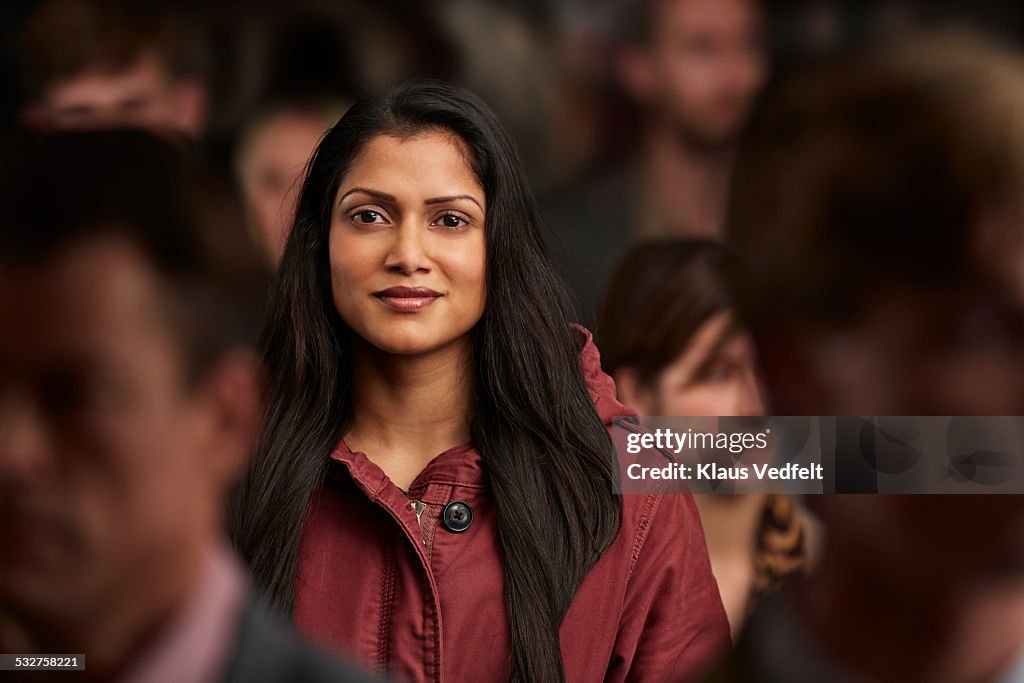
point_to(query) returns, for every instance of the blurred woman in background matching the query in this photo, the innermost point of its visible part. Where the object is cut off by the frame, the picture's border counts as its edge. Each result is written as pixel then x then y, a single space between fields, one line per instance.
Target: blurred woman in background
pixel 270 158
pixel 433 489
pixel 670 340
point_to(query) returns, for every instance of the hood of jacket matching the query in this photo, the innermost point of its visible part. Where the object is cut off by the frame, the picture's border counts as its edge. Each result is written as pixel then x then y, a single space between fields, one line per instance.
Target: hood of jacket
pixel 599 384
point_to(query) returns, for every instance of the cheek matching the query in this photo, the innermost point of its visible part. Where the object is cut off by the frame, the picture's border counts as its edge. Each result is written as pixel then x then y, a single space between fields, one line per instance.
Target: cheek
pixel 289 197
pixel 697 400
pixel 270 200
pixel 148 465
pixel 115 485
pixel 685 76
pixel 149 459
pixel 465 266
pixel 352 261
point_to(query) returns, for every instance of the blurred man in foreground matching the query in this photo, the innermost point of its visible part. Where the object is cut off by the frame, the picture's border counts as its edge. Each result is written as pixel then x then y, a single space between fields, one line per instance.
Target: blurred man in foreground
pixel 877 222
pixel 112 63
pixel 128 397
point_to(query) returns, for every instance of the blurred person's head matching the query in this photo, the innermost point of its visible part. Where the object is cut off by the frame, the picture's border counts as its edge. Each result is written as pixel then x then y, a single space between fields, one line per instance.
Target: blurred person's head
pixel 876 222
pixel 271 157
pixel 129 301
pixel 695 65
pixel 111 63
pixel 669 337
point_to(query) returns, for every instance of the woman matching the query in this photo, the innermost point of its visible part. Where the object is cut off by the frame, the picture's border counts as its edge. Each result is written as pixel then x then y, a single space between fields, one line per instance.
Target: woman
pixel 270 156
pixel 433 491
pixel 674 348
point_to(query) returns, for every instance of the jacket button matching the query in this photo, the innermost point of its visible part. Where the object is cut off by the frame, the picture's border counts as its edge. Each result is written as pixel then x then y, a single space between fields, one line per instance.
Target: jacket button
pixel 457 516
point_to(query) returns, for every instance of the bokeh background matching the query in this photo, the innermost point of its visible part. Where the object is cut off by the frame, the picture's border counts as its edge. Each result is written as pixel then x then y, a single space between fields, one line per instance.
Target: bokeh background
pixel 544 66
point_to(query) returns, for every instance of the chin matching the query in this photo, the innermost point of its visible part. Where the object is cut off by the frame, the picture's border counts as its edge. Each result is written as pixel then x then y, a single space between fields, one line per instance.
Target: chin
pixel 407 347
pixel 402 341
pixel 414 334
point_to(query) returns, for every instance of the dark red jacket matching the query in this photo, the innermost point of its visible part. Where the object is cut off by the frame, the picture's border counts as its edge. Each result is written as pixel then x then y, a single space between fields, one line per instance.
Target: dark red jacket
pixel 412 598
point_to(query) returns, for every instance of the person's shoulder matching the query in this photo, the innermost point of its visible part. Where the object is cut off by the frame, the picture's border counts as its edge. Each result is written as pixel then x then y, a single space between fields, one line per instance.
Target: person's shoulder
pixel 665 519
pixel 266 651
pixel 661 510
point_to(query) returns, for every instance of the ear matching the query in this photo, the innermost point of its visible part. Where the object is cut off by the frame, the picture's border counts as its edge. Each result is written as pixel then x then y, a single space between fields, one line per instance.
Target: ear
pixel 635 72
pixel 632 391
pixel 231 394
pixel 192 105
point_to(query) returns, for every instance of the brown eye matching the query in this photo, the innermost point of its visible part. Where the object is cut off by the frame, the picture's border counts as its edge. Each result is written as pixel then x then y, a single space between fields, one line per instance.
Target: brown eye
pixel 367 217
pixel 451 221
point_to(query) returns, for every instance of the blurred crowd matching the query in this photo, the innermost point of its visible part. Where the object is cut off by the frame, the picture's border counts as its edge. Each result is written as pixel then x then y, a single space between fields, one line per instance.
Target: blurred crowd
pixel 626 112
pixel 792 207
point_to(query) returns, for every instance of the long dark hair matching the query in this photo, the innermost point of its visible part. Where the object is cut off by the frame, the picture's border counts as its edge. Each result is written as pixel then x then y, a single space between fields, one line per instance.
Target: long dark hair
pixel 534 423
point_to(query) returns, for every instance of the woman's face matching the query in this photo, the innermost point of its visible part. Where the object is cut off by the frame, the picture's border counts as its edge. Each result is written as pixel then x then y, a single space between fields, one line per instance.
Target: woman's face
pixel 714 375
pixel 270 169
pixel 407 244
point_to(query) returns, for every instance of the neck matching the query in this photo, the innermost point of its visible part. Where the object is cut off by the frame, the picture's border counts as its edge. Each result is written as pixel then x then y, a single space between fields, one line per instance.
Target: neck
pixel 127 618
pixel 408 409
pixel 688 183
pixel 957 630
pixel 730 523
pixel 730 529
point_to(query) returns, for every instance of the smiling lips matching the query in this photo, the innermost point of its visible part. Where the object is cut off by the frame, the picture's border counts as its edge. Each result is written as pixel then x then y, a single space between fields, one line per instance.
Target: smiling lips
pixel 407 299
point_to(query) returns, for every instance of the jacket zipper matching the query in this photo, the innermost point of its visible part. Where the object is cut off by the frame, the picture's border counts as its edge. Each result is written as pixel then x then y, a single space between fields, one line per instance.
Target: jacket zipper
pixel 387 602
pixel 418 506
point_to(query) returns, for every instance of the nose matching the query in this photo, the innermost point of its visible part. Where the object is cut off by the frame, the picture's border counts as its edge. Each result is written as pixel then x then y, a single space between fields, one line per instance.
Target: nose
pixel 749 396
pixel 23 440
pixel 407 253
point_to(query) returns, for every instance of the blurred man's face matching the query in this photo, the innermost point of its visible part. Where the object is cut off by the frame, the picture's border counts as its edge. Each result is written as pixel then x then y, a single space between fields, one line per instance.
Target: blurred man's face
pixel 144 95
pixel 908 353
pixel 915 353
pixel 110 467
pixel 703 66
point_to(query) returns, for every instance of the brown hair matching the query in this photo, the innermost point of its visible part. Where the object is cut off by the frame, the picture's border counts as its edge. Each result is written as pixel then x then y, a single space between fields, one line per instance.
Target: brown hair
pixel 658 297
pixel 64 38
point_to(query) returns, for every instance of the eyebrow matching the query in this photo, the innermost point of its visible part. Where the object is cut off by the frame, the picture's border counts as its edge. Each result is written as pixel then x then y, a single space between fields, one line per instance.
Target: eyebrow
pixel 442 200
pixel 380 196
pixel 726 336
pixel 384 197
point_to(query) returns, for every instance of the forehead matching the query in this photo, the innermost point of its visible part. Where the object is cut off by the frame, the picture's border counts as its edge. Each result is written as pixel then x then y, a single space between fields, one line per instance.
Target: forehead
pixel 428 164
pixel 286 137
pixel 705 15
pixel 100 86
pixel 93 296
